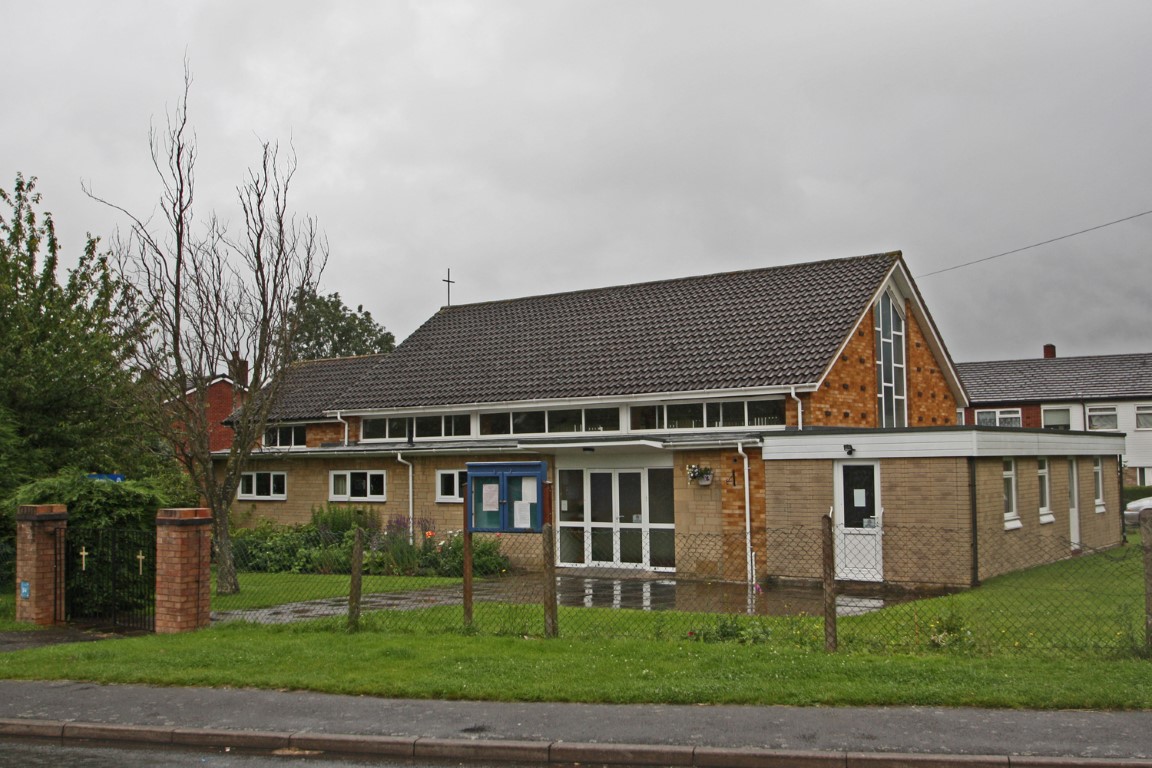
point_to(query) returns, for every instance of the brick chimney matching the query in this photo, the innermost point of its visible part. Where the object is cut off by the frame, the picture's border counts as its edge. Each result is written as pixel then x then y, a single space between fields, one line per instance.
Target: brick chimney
pixel 1049 351
pixel 238 369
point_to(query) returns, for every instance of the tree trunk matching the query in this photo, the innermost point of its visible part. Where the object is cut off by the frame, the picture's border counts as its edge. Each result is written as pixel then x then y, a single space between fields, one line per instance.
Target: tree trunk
pixel 226 581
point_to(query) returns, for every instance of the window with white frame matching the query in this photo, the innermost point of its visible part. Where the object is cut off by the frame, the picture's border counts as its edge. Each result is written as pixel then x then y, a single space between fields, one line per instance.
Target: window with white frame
pixel 1045 489
pixel 960 416
pixel 1073 488
pixel 263 486
pixel 1143 475
pixel 358 485
pixel 1011 515
pixel 1144 417
pixel 450 484
pixel 890 381
pixel 1002 417
pixel 286 437
pixel 1102 417
pixel 1057 418
pixel 1098 482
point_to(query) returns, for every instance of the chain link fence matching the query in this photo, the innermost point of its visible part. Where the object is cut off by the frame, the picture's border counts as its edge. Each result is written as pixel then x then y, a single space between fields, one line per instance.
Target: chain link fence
pixel 1054 597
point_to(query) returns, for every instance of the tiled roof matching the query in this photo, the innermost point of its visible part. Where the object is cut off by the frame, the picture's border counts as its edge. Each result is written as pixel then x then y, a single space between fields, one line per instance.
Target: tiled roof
pixel 310 386
pixel 777 326
pixel 1102 377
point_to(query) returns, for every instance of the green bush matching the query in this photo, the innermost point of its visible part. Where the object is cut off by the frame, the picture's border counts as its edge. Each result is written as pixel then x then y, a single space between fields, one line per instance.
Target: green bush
pixel 340 520
pixel 1133 492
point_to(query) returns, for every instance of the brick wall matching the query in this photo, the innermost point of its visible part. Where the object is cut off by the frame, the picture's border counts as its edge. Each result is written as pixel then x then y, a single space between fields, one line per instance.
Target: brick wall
pixel 40 562
pixel 183 569
pixel 848 396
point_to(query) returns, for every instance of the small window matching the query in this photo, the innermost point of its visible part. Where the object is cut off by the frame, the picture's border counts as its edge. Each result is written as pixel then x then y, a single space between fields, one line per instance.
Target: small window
pixel 765 413
pixel 263 486
pixel 458 425
pixel 725 414
pixel 647 416
pixel 1057 418
pixel 1045 488
pixel 686 416
pixel 496 423
pixel 286 437
pixel 373 429
pixel 1102 417
pixel 602 420
pixel 429 426
pixel 566 421
pixel 1144 417
pixel 397 428
pixel 1004 417
pixel 528 422
pixel 450 484
pixel 357 485
pixel 1098 482
pixel 960 416
pixel 1011 516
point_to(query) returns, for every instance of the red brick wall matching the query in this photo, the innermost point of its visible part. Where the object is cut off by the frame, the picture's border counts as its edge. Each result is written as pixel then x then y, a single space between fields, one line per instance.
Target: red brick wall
pixel 930 400
pixel 183 569
pixel 222 400
pixel 39 563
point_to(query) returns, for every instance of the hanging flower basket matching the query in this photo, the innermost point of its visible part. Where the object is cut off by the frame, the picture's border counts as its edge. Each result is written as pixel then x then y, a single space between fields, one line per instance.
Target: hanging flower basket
pixel 700 473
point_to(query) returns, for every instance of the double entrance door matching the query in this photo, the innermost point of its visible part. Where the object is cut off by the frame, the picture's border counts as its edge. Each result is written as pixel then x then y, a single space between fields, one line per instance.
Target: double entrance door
pixel 616 517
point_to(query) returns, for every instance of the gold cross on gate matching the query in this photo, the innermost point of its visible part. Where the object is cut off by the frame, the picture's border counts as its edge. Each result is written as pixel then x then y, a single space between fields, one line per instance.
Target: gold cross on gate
pixel 140 560
pixel 84 558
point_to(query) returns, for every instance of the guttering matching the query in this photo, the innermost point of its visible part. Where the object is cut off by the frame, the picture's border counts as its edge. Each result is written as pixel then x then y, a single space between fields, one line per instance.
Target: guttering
pixel 411 501
pixel 345 428
pixel 799 410
pixel 749 555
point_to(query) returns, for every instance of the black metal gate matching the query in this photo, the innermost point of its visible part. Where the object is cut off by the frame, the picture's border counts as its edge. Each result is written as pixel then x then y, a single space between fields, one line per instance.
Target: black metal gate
pixel 110 578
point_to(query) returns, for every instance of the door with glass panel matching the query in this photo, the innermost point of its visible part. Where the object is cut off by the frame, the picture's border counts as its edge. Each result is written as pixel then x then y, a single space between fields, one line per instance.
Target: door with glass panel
pixel 616 517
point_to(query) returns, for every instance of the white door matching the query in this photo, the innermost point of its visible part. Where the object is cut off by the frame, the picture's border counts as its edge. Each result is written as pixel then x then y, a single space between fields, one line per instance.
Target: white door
pixel 859 539
pixel 1073 505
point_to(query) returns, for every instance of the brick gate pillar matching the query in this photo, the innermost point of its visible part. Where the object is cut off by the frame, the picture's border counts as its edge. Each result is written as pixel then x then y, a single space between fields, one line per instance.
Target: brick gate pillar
pixel 40 563
pixel 183 569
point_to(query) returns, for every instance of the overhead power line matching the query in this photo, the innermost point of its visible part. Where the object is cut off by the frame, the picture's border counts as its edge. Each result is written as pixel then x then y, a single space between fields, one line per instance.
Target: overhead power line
pixel 1034 245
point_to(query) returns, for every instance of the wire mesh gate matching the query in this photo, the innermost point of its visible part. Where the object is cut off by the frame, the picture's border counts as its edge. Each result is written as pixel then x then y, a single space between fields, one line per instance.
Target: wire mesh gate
pixel 110 578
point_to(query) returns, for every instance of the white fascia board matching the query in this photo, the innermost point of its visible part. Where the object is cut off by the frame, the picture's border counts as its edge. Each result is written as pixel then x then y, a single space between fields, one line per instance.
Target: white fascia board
pixel 943 442
pixel 647 398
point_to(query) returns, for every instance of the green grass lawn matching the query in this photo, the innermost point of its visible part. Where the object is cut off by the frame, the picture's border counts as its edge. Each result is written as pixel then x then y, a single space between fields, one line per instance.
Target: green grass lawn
pixel 1064 635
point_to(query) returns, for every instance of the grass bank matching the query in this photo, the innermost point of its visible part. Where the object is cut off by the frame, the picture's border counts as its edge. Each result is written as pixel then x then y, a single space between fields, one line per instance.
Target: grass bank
pixel 454 666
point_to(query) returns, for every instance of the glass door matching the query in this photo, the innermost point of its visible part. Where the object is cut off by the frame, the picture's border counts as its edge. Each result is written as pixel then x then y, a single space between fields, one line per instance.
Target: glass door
pixel 616 517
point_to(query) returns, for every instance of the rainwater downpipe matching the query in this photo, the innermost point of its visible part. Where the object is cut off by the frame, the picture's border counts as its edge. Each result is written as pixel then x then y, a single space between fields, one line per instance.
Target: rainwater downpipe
pixel 750 555
pixel 345 428
pixel 411 501
pixel 799 410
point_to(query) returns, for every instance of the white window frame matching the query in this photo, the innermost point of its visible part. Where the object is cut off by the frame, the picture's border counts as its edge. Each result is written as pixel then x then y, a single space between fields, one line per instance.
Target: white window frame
pixel 1011 511
pixel 1098 483
pixel 458 480
pixel 1146 411
pixel 1044 418
pixel 896 390
pixel 249 480
pixel 346 474
pixel 1000 415
pixel 1102 411
pixel 1043 477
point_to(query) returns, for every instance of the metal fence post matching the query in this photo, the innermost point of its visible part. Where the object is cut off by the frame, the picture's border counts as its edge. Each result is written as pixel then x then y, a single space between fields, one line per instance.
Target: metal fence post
pixel 467 534
pixel 829 562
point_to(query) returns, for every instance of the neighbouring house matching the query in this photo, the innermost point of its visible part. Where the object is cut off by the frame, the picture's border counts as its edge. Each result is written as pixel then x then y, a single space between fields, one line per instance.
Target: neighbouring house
pixel 1098 393
pixel 700 427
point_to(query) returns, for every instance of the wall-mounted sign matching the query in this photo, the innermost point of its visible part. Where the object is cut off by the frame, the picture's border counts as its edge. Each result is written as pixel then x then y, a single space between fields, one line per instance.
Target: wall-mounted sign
pixel 25 590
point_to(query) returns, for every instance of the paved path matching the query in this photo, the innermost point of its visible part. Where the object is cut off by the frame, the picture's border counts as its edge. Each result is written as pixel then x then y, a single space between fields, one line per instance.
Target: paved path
pixel 556 733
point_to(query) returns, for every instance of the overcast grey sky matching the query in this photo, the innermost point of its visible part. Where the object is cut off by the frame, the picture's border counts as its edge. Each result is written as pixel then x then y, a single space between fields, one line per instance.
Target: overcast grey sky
pixel 535 146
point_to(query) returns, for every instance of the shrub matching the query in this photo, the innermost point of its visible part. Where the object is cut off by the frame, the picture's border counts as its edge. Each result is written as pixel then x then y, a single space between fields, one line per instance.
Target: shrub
pixel 340 520
pixel 733 629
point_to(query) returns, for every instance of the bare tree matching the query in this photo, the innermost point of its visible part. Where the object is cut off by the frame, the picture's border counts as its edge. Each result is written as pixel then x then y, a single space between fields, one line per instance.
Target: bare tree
pixel 207 299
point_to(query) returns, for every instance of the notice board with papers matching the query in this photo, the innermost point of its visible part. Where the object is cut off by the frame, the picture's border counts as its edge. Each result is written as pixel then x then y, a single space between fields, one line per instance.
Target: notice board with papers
pixel 506 496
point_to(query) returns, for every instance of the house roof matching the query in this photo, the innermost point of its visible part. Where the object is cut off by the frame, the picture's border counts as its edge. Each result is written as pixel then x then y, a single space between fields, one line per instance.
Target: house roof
pixel 310 386
pixel 1101 377
pixel 758 328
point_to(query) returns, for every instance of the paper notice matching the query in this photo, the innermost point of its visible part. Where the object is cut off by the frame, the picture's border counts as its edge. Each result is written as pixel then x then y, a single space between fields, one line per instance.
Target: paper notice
pixel 522 514
pixel 528 489
pixel 859 497
pixel 491 501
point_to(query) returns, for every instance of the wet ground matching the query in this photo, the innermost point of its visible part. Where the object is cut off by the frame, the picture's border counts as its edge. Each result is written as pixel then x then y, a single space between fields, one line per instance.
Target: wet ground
pixel 35 638
pixel 591 591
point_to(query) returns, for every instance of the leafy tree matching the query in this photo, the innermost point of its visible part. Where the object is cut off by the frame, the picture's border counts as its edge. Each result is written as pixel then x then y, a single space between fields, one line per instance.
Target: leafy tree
pixel 64 389
pixel 329 328
pixel 206 295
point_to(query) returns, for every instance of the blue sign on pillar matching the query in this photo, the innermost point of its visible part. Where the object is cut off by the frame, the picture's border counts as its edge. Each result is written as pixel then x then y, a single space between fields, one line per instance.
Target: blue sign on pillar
pixel 506 496
pixel 25 590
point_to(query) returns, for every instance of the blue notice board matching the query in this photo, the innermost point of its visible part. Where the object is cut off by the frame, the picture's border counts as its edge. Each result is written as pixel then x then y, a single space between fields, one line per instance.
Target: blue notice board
pixel 507 496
